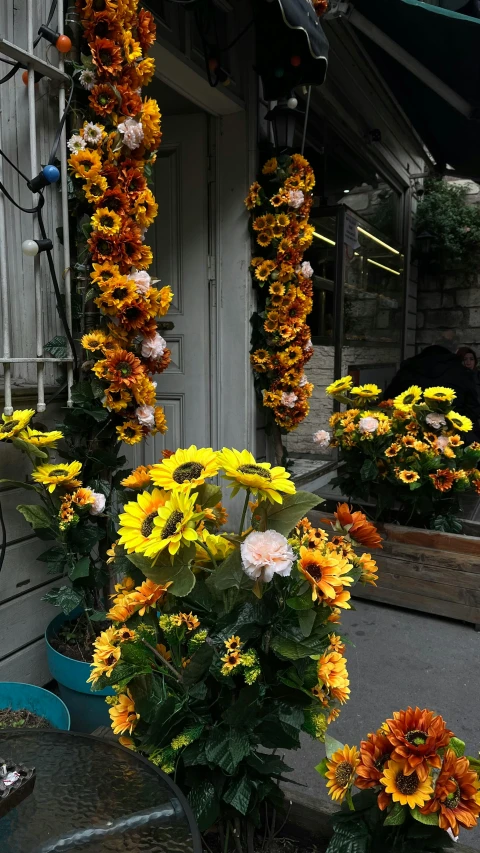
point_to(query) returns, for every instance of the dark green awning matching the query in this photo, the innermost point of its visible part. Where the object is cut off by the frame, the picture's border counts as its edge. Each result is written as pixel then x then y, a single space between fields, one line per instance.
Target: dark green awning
pixel 447 43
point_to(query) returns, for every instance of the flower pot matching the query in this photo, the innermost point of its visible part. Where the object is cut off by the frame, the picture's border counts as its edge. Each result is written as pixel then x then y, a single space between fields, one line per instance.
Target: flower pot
pixel 88 710
pixel 43 703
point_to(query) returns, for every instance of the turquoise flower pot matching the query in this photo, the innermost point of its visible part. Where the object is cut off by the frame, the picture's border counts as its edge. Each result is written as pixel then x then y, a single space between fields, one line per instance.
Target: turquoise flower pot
pixel 15 695
pixel 88 710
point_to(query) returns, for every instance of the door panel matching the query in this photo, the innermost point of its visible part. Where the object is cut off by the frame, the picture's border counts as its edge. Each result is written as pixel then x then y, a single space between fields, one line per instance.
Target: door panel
pixel 179 239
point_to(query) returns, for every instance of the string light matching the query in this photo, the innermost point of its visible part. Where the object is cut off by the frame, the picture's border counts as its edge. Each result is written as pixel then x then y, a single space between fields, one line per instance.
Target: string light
pixel 61 42
pixel 31 248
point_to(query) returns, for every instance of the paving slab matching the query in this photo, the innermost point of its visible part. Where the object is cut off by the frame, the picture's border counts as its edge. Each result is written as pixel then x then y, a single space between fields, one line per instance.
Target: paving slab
pixel 400 658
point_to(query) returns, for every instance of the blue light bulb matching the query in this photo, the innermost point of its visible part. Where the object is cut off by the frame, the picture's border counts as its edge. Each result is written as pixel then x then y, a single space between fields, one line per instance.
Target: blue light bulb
pixel 51 174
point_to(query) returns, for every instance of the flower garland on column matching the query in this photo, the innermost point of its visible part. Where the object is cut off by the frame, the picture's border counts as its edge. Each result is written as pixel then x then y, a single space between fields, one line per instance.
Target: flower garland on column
pixel 111 160
pixel 280 204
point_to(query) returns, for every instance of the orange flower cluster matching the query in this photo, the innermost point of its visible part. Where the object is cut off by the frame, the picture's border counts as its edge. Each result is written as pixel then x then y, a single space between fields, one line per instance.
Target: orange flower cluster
pixel 414 762
pixel 111 159
pixel 281 346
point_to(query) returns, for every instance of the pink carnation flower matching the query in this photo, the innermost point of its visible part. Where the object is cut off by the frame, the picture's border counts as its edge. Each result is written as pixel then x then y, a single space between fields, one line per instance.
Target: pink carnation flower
pixel 142 280
pixel 296 198
pixel 368 424
pixel 145 415
pixel 266 554
pixel 132 132
pixel 98 504
pixel 322 438
pixel 153 347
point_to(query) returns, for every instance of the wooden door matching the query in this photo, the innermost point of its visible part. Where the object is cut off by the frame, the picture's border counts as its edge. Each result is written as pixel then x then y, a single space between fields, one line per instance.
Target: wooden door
pixel 179 239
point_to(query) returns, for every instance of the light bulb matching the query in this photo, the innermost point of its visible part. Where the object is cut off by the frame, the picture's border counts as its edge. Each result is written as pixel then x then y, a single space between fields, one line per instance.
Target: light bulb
pixel 30 248
pixel 292 103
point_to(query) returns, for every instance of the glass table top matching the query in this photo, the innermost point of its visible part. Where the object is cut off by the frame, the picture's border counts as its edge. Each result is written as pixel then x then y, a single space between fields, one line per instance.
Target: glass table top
pixel 86 790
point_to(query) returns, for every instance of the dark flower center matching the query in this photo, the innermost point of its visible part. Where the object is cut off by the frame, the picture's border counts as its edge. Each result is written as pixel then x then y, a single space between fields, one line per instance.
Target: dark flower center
pixel 454 797
pixel 58 472
pixel 120 293
pixel 380 762
pixel 111 659
pixel 343 774
pixel 107 221
pixel 407 785
pixel 114 204
pixel 124 368
pixel 255 470
pixel 416 737
pixel 105 56
pixel 315 571
pixel 106 275
pixel 187 471
pixel 147 524
pixel 9 425
pixel 171 525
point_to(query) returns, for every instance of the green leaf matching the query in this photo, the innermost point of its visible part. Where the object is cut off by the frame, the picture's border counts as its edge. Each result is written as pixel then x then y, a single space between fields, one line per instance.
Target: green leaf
pixel 57 347
pixel 369 470
pixel 98 616
pixel 226 748
pixel 397 816
pixel 204 802
pixel 85 536
pixel 243 713
pixel 81 569
pixel 332 745
pixel 18 484
pixel 230 574
pixel 457 745
pixel 322 767
pixel 306 620
pixel 428 819
pixel 209 495
pixel 36 516
pixel 29 449
pixel 285 516
pixel 352 837
pixel 301 602
pixel 198 666
pixel 238 794
pixel 177 571
pixel 65 597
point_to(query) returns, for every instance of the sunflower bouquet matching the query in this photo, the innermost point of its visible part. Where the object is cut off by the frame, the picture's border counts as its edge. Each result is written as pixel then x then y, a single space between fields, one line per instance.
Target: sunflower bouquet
pixel 112 153
pixel 417 787
pixel 411 451
pixel 280 205
pixel 225 644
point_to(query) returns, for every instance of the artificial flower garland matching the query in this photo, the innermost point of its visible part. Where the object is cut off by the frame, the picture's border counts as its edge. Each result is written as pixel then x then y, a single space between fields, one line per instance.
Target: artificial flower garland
pixel 111 160
pixel 280 205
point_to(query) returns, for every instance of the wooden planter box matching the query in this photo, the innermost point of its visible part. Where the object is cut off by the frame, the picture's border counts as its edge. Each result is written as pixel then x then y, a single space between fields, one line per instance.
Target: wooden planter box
pixel 424 570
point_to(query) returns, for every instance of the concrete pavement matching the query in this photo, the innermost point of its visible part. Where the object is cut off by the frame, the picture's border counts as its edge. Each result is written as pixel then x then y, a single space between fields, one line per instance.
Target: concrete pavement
pixel 401 658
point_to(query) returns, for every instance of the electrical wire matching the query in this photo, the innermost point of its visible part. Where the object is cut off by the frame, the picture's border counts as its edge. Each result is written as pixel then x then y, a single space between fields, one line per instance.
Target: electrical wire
pixel 18 65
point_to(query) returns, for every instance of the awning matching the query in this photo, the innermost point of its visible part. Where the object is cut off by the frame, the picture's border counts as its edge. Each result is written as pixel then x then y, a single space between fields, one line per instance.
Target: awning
pixel 292 49
pixel 443 103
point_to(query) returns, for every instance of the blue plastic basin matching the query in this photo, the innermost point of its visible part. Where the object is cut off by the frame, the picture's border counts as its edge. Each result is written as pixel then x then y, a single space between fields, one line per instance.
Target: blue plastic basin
pixel 15 695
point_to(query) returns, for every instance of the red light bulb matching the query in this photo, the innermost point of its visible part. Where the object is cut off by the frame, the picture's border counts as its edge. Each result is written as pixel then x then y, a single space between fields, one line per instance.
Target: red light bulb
pixel 63 44
pixel 295 61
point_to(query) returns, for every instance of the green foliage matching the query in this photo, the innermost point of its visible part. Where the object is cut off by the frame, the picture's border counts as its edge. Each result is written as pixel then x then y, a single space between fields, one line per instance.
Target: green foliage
pixel 454 226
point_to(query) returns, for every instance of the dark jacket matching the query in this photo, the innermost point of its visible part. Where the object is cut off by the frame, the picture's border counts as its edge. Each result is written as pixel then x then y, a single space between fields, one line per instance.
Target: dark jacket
pixel 436 365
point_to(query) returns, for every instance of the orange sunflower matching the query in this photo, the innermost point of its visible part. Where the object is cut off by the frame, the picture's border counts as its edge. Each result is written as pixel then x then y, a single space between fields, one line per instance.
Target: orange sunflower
pixel 326 573
pixel 443 479
pixel 341 772
pixel 357 526
pixel 374 754
pixel 416 736
pixel 456 794
pixel 124 368
pixel 107 57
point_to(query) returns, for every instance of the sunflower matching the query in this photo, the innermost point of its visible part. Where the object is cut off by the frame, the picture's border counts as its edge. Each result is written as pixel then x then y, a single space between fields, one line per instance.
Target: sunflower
pixel 145 209
pixel 186 469
pixel 118 293
pixel 103 99
pixel 107 57
pixel 422 447
pixel 40 439
pixel 456 441
pixel 408 398
pixel 393 450
pixel 243 471
pixel 264 238
pixel 408 441
pixel 374 754
pixel 93 341
pixel 439 395
pixel 456 794
pixel 12 424
pixel 55 475
pixel 123 715
pixel 416 737
pixel 138 479
pixel 190 621
pixel 106 221
pixel 124 368
pixel 366 392
pixel 233 644
pixel 131 48
pixel 408 789
pixel 146 29
pixel 326 573
pixel 130 432
pixel 278 199
pixel 94 187
pixel 136 521
pixel 122 610
pixel 460 422
pixel 103 273
pixel 83 497
pixel 369 569
pixel 85 163
pixel 117 399
pixel 357 526
pixel 339 386
pixel 174 525
pixel 270 166
pixel 341 769
pixel 160 421
pixel 443 479
pixel 151 123
pixel 408 476
pixel 230 661
pixel 332 670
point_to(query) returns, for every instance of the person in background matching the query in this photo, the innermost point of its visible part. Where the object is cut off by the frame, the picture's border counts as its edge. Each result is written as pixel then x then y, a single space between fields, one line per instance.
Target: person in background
pixel 437 365
pixel 469 360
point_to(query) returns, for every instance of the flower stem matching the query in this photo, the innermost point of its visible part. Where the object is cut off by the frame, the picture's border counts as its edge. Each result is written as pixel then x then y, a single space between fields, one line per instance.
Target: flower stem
pixel 245 507
pixel 204 546
pixel 162 659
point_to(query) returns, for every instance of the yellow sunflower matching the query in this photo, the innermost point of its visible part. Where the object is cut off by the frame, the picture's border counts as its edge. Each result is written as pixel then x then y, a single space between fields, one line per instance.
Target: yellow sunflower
pixel 13 424
pixel 130 432
pixel 174 525
pixel 95 187
pixel 186 469
pixel 460 422
pixel 408 398
pixel 407 790
pixel 326 573
pixel 230 661
pixel 137 520
pixel 270 166
pixel 85 164
pixel 123 715
pixel 106 221
pixel 94 341
pixel 408 476
pixel 341 771
pixel 55 475
pixel 138 479
pixel 40 439
pixel 339 386
pixel 367 392
pixel 244 472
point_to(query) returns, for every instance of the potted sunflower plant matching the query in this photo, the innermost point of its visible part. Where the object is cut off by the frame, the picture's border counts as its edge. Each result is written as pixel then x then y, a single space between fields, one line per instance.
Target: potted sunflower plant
pixel 417 790
pixel 224 646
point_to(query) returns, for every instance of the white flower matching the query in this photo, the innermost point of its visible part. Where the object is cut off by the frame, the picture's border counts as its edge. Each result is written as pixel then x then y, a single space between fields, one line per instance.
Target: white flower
pixel 308 346
pixel 142 280
pixel 92 133
pixel 266 554
pixel 132 132
pixel 322 438
pixel 306 269
pixel 435 420
pixel 76 143
pixel 153 347
pixel 98 503
pixel 303 380
pixel 442 442
pixel 368 424
pixel 146 415
pixel 296 198
pixel 88 79
pixel 288 399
